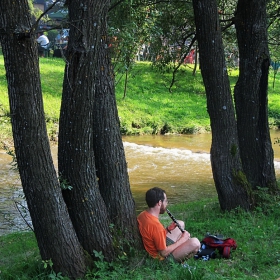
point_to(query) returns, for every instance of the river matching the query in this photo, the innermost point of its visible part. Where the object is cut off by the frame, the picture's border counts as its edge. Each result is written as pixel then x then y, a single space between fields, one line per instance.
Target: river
pixel 180 164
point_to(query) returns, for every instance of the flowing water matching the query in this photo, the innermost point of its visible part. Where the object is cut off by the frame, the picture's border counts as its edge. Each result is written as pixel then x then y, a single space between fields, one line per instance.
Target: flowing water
pixel 180 164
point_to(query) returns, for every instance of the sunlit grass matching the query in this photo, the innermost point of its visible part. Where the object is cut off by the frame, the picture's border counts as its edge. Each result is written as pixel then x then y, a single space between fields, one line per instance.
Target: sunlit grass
pixel 148 97
pixel 148 105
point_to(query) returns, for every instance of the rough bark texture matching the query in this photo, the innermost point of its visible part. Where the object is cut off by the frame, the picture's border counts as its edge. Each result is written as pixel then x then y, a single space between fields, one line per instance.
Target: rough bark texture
pixel 76 159
pixel 251 94
pixel 52 225
pixel 230 181
pixel 109 151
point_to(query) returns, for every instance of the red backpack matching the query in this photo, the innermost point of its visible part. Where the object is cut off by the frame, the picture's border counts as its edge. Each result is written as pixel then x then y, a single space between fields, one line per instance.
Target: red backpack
pixel 211 243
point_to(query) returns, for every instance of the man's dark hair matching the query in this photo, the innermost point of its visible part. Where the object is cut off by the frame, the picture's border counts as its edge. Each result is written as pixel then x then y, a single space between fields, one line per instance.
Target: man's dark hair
pixel 153 196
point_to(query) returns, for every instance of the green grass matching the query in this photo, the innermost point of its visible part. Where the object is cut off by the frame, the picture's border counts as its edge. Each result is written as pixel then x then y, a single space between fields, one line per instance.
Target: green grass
pixel 147 106
pixel 257 256
pixel 52 71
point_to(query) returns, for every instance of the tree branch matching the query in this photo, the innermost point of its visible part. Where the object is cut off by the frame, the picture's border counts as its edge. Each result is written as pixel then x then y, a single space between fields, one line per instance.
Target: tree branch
pixel 35 25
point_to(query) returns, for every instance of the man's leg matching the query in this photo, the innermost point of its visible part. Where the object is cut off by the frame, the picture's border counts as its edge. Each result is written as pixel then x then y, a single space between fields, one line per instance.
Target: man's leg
pixel 187 249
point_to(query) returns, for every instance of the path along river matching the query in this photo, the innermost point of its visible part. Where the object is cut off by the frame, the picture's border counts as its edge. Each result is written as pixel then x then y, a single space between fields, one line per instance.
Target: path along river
pixel 180 164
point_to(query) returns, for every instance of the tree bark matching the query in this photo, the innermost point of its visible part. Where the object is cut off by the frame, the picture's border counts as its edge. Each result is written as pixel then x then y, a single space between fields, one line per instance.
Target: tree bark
pixel 109 152
pixel 53 229
pixel 230 181
pixel 76 159
pixel 251 94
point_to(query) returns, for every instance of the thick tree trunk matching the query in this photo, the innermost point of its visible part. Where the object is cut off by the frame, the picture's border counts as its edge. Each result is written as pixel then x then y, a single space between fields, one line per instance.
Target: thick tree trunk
pixel 230 181
pixel 251 94
pixel 76 159
pixel 53 228
pixel 109 151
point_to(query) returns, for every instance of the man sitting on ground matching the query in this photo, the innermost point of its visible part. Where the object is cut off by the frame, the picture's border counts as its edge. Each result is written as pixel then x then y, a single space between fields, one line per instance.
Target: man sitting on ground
pixel 162 242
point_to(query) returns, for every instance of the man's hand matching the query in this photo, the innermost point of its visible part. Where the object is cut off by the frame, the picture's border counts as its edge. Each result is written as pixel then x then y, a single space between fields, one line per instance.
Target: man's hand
pixel 185 236
pixel 171 227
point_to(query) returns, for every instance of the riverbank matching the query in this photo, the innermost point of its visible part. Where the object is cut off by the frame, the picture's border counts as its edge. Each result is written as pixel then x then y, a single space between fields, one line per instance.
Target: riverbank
pixel 256 257
pixel 147 106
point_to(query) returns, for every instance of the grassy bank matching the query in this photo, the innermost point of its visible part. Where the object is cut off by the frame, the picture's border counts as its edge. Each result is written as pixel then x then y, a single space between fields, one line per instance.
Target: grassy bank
pixel 147 106
pixel 257 256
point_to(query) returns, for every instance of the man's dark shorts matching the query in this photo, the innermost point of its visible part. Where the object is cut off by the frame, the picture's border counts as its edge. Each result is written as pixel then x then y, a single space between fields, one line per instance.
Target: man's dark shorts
pixel 170 257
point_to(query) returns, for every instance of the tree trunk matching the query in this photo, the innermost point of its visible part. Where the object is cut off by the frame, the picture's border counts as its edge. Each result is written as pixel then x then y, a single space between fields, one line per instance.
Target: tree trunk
pixel 251 94
pixel 109 151
pixel 52 226
pixel 230 181
pixel 76 159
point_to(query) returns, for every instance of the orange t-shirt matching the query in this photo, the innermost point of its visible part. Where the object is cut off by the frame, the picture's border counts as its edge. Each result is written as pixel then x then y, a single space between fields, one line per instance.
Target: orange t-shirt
pixel 153 234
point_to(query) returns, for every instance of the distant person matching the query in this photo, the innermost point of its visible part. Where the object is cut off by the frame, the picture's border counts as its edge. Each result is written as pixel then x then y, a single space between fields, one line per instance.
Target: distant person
pixel 164 243
pixel 58 38
pixel 43 43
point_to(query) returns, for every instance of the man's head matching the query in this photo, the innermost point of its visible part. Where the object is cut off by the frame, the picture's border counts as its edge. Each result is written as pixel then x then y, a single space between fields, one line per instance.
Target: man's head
pixel 156 196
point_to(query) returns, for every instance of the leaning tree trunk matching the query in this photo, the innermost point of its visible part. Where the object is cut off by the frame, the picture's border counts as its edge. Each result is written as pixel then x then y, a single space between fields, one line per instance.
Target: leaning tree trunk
pixel 52 226
pixel 76 159
pixel 109 151
pixel 251 94
pixel 230 181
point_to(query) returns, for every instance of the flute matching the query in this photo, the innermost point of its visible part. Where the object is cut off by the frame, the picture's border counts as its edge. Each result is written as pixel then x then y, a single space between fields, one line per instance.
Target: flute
pixel 174 220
